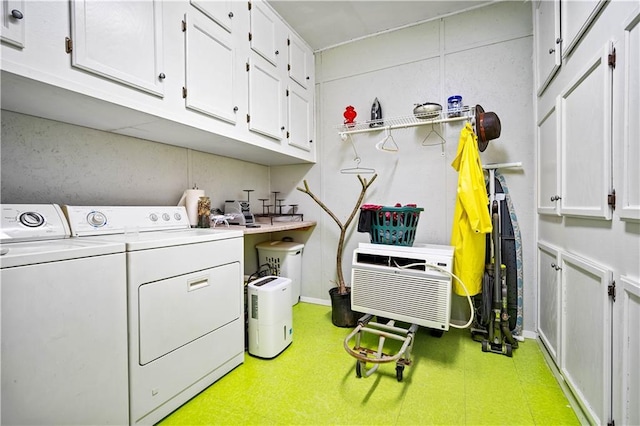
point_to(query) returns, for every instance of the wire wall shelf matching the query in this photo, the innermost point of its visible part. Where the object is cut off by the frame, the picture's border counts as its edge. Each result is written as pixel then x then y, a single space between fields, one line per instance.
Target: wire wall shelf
pixel 463 114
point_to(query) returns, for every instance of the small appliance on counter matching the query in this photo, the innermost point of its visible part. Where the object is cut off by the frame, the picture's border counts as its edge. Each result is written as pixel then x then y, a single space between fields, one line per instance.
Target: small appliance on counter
pixel 270 316
pixel 239 212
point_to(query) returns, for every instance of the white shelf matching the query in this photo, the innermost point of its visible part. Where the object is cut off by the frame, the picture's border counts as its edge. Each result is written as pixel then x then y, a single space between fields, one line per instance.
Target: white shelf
pixel 465 113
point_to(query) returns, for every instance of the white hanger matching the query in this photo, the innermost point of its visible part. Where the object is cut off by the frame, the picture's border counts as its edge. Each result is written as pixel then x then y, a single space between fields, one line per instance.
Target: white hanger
pixel 433 130
pixel 357 169
pixel 380 146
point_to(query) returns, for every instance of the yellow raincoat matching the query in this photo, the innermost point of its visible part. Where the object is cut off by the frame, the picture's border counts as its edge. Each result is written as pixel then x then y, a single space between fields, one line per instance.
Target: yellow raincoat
pixel 471 219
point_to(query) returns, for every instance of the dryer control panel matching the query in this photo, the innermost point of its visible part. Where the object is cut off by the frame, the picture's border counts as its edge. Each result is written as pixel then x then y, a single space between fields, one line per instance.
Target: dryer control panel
pixel 105 220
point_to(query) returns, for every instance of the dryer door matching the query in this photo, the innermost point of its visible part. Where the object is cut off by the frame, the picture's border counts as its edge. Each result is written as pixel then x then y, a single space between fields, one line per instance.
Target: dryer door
pixel 176 311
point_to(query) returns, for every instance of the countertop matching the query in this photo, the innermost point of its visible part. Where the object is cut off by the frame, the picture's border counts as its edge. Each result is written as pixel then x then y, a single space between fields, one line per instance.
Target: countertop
pixel 266 227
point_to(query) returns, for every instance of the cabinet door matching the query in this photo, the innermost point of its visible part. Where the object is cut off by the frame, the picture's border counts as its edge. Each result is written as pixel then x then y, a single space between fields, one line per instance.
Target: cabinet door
pixel 299 61
pixel 630 351
pixel 549 299
pixel 586 339
pixel 577 17
pixel 264 30
pixel 547 42
pixel 630 191
pixel 265 99
pixel 209 68
pixel 300 117
pixel 119 40
pixel 13 22
pixel 219 11
pixel 586 141
pixel 548 162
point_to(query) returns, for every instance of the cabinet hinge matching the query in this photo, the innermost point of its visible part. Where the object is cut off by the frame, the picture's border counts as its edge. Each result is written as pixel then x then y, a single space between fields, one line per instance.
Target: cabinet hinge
pixel 288 67
pixel 250 36
pixel 184 26
pixel 248 118
pixel 611 291
pixel 68 45
pixel 612 58
pixel 287 134
pixel 611 423
pixel 249 5
pixel 288 42
pixel 184 92
pixel 287 93
pixel 247 66
pixel 611 199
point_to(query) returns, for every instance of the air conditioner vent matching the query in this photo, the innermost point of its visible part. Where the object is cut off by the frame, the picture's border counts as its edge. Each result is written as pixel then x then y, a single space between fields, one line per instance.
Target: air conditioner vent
pixel 418 295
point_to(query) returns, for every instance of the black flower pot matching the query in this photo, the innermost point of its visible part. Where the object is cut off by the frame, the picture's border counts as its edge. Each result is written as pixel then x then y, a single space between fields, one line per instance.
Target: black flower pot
pixel 341 313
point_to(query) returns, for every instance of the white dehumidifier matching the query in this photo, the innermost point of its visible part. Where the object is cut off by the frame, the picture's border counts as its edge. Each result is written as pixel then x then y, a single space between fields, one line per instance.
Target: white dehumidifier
pixel 270 316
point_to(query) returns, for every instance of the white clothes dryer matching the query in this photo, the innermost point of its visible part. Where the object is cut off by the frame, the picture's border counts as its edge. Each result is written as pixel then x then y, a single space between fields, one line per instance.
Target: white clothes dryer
pixel 64 323
pixel 185 294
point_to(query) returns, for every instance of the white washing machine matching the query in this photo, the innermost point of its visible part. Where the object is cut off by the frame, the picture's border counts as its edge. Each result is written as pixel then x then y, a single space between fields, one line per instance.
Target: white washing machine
pixel 64 323
pixel 185 295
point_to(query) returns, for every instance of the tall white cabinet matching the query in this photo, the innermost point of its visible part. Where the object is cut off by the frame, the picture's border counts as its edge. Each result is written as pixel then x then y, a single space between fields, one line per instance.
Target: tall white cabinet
pixel 588 199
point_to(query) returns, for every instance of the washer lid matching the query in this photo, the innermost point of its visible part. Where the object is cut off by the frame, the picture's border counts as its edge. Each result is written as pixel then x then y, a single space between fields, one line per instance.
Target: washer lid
pixel 36 252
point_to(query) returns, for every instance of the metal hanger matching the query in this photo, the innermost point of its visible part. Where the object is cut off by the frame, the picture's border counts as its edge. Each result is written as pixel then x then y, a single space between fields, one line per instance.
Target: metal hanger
pixel 357 169
pixel 433 130
pixel 381 146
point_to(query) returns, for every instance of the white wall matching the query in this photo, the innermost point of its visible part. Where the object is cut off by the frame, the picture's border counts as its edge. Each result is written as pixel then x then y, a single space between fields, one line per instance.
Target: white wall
pixel 485 55
pixel 46 161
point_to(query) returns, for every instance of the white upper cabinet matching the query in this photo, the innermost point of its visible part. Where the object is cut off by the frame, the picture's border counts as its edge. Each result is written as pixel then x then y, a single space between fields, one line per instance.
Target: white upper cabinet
pixel 220 11
pixel 300 118
pixel 210 77
pixel 266 94
pixel 577 17
pixel 120 40
pixel 548 42
pixel 586 140
pixel 629 92
pixel 300 61
pixel 13 22
pixel 548 162
pixel 264 31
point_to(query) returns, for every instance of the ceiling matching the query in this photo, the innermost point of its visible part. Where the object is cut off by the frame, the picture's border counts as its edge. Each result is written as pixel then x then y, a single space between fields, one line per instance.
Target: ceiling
pixel 326 23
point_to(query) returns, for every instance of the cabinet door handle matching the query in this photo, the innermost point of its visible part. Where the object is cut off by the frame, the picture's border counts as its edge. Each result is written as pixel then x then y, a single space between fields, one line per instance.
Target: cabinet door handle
pixel 235 109
pixel 277 52
pixel 230 14
pixel 558 40
pixel 17 14
pixel 162 76
pixel 556 198
pixel 551 51
pixel 282 128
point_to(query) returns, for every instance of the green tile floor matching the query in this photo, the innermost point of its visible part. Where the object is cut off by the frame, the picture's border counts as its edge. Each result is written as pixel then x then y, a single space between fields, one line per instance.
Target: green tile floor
pixel 313 382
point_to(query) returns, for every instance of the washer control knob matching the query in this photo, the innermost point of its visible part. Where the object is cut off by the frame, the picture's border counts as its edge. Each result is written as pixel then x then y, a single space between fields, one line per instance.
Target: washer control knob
pixel 96 219
pixel 178 217
pixel 153 217
pixel 31 219
pixel 166 217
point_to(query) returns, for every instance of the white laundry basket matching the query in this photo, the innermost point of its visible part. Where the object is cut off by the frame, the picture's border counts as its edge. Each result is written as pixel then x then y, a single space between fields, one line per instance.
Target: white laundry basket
pixel 285 260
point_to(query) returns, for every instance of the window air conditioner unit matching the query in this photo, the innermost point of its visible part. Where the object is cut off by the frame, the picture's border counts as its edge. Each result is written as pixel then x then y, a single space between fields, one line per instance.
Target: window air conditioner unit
pixel 396 282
